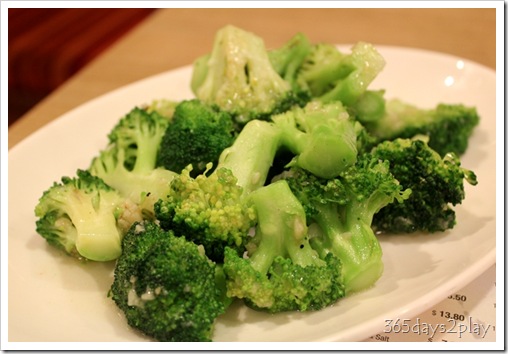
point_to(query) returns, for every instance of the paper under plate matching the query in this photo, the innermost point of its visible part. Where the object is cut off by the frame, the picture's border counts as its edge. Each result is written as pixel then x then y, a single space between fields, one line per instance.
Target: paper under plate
pixel 52 298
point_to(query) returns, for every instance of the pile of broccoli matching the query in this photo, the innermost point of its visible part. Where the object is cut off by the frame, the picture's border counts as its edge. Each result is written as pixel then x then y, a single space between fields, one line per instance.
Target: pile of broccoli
pixel 272 186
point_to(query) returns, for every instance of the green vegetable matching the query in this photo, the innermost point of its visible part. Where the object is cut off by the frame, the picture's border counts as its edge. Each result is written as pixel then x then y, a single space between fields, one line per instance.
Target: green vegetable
pixel 128 164
pixel 448 126
pixel 166 286
pixel 282 272
pixel 239 78
pixel 81 216
pixel 331 75
pixel 340 213
pixel 288 59
pixel 212 209
pixel 322 136
pixel 196 135
pixel 437 184
pixel 272 186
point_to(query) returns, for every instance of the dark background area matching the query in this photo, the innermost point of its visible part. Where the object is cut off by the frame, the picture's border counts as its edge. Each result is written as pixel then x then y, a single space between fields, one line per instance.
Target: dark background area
pixel 48 46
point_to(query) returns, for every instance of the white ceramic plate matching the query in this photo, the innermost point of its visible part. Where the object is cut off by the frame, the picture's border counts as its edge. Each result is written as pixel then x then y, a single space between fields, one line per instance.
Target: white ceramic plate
pixel 52 298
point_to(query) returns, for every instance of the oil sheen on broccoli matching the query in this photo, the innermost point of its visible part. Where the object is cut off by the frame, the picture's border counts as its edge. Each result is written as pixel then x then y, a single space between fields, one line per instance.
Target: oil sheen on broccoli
pixel 80 215
pixel 281 271
pixel 129 162
pixel 340 213
pixel 238 77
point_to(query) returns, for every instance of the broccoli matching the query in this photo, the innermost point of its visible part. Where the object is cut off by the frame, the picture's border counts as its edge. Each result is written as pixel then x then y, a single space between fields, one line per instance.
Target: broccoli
pixel 128 164
pixel 322 136
pixel 281 271
pixel 212 209
pixel 239 78
pixel 288 59
pixel 196 135
pixel 339 213
pixel 370 106
pixel 164 107
pixel 330 75
pixel 166 286
pixel 448 126
pixel 81 216
pixel 437 184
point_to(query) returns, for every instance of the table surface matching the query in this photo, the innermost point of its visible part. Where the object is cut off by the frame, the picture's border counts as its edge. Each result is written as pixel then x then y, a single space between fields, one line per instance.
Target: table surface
pixel 172 38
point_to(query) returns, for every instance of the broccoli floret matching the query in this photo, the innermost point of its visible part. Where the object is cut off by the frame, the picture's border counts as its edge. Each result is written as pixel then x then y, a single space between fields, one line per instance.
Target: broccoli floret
pixel 81 216
pixel 437 184
pixel 281 271
pixel 208 209
pixel 340 211
pixel 239 78
pixel 196 135
pixel 288 59
pixel 164 107
pixel 212 209
pixel 166 286
pixel 128 164
pixel 331 75
pixel 448 126
pixel 322 136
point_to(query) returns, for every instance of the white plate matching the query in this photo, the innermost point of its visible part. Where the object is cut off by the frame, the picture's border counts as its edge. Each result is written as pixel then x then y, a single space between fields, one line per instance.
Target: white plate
pixel 53 298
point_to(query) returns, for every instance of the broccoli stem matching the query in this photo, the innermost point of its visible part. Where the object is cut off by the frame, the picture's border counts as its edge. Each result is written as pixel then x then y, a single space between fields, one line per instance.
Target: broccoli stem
pixel 281 227
pixel 353 241
pixel 322 136
pixel 252 154
pixel 97 236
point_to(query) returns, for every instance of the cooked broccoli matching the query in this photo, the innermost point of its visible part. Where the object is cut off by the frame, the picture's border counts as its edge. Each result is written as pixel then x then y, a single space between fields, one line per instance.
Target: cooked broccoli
pixel 288 59
pixel 330 75
pixel 370 106
pixel 128 164
pixel 81 216
pixel 437 184
pixel 196 135
pixel 164 107
pixel 212 209
pixel 340 212
pixel 166 286
pixel 281 271
pixel 239 78
pixel 448 126
pixel 322 136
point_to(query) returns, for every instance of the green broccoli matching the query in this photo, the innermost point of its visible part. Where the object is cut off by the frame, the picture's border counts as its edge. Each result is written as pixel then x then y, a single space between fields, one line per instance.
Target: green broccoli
pixel 448 126
pixel 128 164
pixel 196 135
pixel 239 78
pixel 340 212
pixel 212 209
pixel 166 286
pixel 370 106
pixel 81 216
pixel 288 59
pixel 437 184
pixel 330 75
pixel 281 271
pixel 164 107
pixel 322 136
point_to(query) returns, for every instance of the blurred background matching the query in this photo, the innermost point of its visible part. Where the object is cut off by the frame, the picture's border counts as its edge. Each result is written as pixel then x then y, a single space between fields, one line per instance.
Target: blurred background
pixel 48 46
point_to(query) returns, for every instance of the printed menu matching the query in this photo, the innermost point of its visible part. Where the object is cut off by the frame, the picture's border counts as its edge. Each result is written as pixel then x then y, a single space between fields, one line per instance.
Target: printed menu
pixel 468 315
